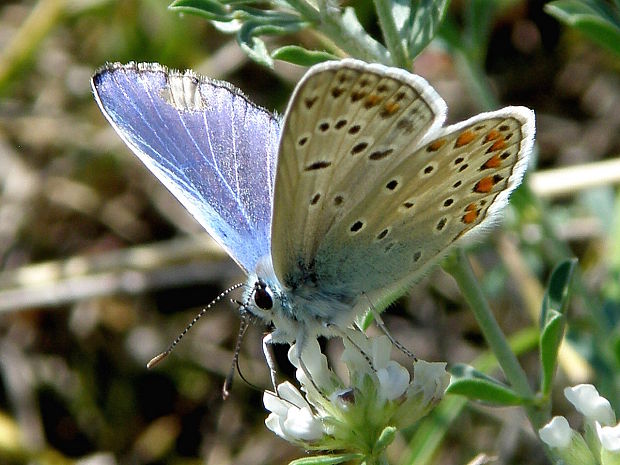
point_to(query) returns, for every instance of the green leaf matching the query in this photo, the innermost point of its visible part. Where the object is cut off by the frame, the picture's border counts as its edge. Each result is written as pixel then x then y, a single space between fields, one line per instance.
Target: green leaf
pixel 429 436
pixel 252 22
pixel 556 295
pixel 550 340
pixel 301 56
pixel 326 459
pixel 553 321
pixel 401 13
pixel 450 33
pixel 254 46
pixel 595 19
pixel 240 2
pixel 478 25
pixel 475 385
pixel 349 25
pixel 424 24
pixel 210 9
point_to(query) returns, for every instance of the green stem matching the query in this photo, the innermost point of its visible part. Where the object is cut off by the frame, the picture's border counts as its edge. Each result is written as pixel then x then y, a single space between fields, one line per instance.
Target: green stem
pixel 476 80
pixel 461 271
pixel 429 434
pixel 394 44
pixel 40 21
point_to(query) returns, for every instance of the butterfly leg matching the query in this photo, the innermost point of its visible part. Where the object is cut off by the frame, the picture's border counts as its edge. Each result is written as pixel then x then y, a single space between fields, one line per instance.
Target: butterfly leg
pixel 299 348
pixel 383 328
pixel 271 362
pixel 344 335
pixel 270 358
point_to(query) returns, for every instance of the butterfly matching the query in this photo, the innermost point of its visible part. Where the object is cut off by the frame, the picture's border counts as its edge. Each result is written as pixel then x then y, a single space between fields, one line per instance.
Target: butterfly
pixel 339 206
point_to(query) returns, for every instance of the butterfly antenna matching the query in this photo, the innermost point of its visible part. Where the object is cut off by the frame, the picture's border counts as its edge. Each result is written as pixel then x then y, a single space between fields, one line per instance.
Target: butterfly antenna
pixel 245 323
pixel 158 358
pixel 252 385
pixel 235 361
pixel 383 328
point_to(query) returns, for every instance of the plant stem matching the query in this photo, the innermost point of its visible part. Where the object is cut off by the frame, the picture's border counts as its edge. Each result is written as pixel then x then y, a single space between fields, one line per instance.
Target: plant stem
pixel 476 80
pixel 43 17
pixel 461 271
pixel 394 44
pixel 431 431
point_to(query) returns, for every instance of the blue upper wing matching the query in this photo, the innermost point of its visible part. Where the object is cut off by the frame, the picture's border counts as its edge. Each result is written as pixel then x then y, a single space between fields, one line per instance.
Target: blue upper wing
pixel 211 147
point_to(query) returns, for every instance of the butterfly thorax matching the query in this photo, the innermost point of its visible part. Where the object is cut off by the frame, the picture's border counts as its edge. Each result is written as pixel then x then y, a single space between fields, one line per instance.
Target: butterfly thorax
pixel 305 308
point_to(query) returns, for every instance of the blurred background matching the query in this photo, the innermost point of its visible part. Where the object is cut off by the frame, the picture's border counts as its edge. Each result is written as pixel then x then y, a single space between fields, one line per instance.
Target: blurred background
pixel 101 268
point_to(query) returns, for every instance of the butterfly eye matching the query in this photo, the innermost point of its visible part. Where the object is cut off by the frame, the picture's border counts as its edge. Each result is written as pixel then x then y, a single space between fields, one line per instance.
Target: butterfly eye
pixel 263 297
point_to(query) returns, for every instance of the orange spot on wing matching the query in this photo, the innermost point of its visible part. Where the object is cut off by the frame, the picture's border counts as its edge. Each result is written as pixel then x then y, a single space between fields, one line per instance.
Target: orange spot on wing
pixel 390 108
pixel 484 185
pixel 372 100
pixel 435 145
pixel 471 215
pixel 492 135
pixel 494 162
pixel 497 145
pixel 464 138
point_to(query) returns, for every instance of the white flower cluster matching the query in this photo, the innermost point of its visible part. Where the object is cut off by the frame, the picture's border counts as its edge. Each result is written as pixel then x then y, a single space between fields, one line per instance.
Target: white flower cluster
pixel 355 416
pixel 600 443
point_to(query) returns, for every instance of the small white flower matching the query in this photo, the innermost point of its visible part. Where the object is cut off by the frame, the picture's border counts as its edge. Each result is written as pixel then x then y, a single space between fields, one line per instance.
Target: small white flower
pixel 588 402
pixel 371 356
pixel 567 446
pixel 430 381
pixel 556 433
pixel 364 355
pixel 316 364
pixel 431 378
pixel 393 380
pixel 381 350
pixel 329 413
pixel 609 436
pixel 291 417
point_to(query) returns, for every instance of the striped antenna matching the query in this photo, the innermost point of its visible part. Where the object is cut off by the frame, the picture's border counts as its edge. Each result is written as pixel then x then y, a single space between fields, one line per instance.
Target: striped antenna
pixel 158 358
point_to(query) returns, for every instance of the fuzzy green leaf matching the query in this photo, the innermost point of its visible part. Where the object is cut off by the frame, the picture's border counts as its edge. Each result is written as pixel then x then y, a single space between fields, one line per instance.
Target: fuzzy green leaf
pixel 301 56
pixel 424 23
pixel 352 27
pixel 475 385
pixel 326 459
pixel 401 12
pixel 254 46
pixel 556 295
pixel 210 9
pixel 597 20
pixel 553 321
pixel 550 340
